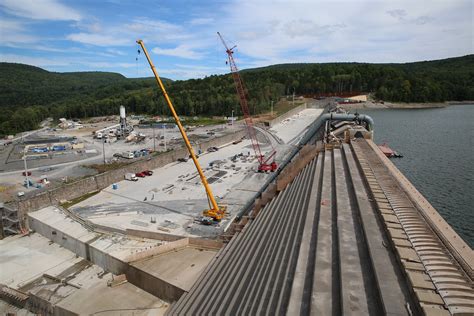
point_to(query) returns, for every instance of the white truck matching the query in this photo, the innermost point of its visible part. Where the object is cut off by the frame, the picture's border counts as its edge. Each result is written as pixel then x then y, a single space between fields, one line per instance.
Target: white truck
pixel 128 155
pixel 131 177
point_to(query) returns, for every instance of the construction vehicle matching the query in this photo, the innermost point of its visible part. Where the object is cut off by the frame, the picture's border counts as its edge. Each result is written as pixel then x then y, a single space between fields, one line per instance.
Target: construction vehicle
pixel 215 211
pixel 264 163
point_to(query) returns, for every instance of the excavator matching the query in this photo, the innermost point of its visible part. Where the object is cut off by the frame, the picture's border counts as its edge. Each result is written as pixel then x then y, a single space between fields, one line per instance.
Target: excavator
pixel 215 211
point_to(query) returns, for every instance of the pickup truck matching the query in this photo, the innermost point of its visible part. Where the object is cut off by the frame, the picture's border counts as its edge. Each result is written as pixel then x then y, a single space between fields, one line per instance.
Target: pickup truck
pixel 131 177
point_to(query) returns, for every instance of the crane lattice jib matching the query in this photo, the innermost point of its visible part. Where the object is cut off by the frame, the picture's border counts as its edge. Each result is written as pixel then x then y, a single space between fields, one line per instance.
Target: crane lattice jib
pixel 245 109
pixel 243 102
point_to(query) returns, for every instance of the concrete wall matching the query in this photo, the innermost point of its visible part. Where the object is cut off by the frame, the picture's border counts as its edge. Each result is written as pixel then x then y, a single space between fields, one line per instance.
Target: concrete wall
pixel 148 253
pixel 205 243
pixel 153 285
pixel 101 181
pixel 107 261
pixel 152 235
pixel 199 243
pixel 39 305
pixel 286 115
pixel 61 238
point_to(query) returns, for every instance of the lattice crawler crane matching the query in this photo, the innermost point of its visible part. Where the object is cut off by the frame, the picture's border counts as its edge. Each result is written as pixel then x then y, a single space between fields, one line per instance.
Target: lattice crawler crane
pixel 265 163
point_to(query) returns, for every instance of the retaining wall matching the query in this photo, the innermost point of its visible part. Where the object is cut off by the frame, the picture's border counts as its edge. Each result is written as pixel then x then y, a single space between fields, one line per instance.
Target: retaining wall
pixel 81 248
pixel 101 181
pixel 153 284
pixel 152 235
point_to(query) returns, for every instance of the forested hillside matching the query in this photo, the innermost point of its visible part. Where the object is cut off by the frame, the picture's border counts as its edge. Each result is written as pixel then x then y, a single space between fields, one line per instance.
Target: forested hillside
pixel 29 94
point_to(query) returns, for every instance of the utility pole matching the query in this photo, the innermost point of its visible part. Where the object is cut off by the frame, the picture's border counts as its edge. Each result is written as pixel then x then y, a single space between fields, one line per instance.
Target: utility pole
pixel 232 119
pixel 293 96
pixel 26 170
pixel 272 107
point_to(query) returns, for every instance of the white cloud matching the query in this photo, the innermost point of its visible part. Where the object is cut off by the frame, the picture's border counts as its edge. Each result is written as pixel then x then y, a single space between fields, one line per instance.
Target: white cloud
pixel 201 21
pixel 77 64
pixel 156 31
pixel 104 64
pixel 115 52
pixel 182 51
pixel 148 25
pixel 370 31
pixel 12 32
pixel 98 39
pixel 40 10
pixel 37 61
pixel 266 32
pixel 30 46
pixel 10 25
pixel 397 13
pixel 151 31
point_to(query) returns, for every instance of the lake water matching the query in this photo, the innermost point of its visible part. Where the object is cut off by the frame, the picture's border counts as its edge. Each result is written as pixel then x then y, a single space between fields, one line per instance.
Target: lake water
pixel 437 145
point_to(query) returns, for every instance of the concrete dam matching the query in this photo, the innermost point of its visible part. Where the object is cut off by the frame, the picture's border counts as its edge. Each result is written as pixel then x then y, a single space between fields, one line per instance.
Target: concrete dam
pixel 337 230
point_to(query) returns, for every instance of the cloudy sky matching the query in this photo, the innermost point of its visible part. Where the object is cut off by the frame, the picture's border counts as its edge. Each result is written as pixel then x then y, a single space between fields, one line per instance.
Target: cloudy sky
pixel 84 35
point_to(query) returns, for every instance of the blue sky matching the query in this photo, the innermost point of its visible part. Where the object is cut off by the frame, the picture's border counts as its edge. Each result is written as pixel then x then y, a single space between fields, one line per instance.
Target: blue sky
pixel 87 35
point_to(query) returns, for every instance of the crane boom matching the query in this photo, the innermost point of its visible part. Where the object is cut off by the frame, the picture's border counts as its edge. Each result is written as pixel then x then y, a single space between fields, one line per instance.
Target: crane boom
pixel 215 212
pixel 263 163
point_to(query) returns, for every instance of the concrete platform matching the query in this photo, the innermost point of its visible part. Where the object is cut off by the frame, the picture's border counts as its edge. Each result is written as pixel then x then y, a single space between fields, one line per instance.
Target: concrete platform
pixel 174 195
pixel 18 253
pixel 180 267
pixel 164 268
pixel 55 280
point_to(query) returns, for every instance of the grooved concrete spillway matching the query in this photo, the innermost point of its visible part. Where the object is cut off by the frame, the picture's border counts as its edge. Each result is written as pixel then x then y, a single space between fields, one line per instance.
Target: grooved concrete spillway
pixel 342 238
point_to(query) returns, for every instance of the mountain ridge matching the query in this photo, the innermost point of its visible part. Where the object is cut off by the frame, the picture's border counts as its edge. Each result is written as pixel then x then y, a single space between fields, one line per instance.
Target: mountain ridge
pixel 29 93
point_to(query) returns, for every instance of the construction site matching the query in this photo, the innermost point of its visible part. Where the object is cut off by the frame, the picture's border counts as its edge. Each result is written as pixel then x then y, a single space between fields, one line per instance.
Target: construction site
pixel 298 215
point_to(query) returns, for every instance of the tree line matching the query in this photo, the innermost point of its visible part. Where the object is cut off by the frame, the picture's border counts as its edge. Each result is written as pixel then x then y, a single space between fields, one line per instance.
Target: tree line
pixel 30 94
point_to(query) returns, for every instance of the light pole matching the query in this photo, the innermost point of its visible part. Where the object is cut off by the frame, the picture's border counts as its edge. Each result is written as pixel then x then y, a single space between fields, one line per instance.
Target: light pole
pixel 272 107
pixel 26 170
pixel 164 134
pixel 154 138
pixel 103 148
pixel 232 122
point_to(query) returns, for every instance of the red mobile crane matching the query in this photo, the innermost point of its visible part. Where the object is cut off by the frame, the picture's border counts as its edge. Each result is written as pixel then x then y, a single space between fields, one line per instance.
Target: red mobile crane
pixel 264 163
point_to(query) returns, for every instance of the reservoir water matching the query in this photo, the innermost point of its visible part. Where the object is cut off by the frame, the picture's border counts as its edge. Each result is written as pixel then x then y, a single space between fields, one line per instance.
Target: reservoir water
pixel 437 145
